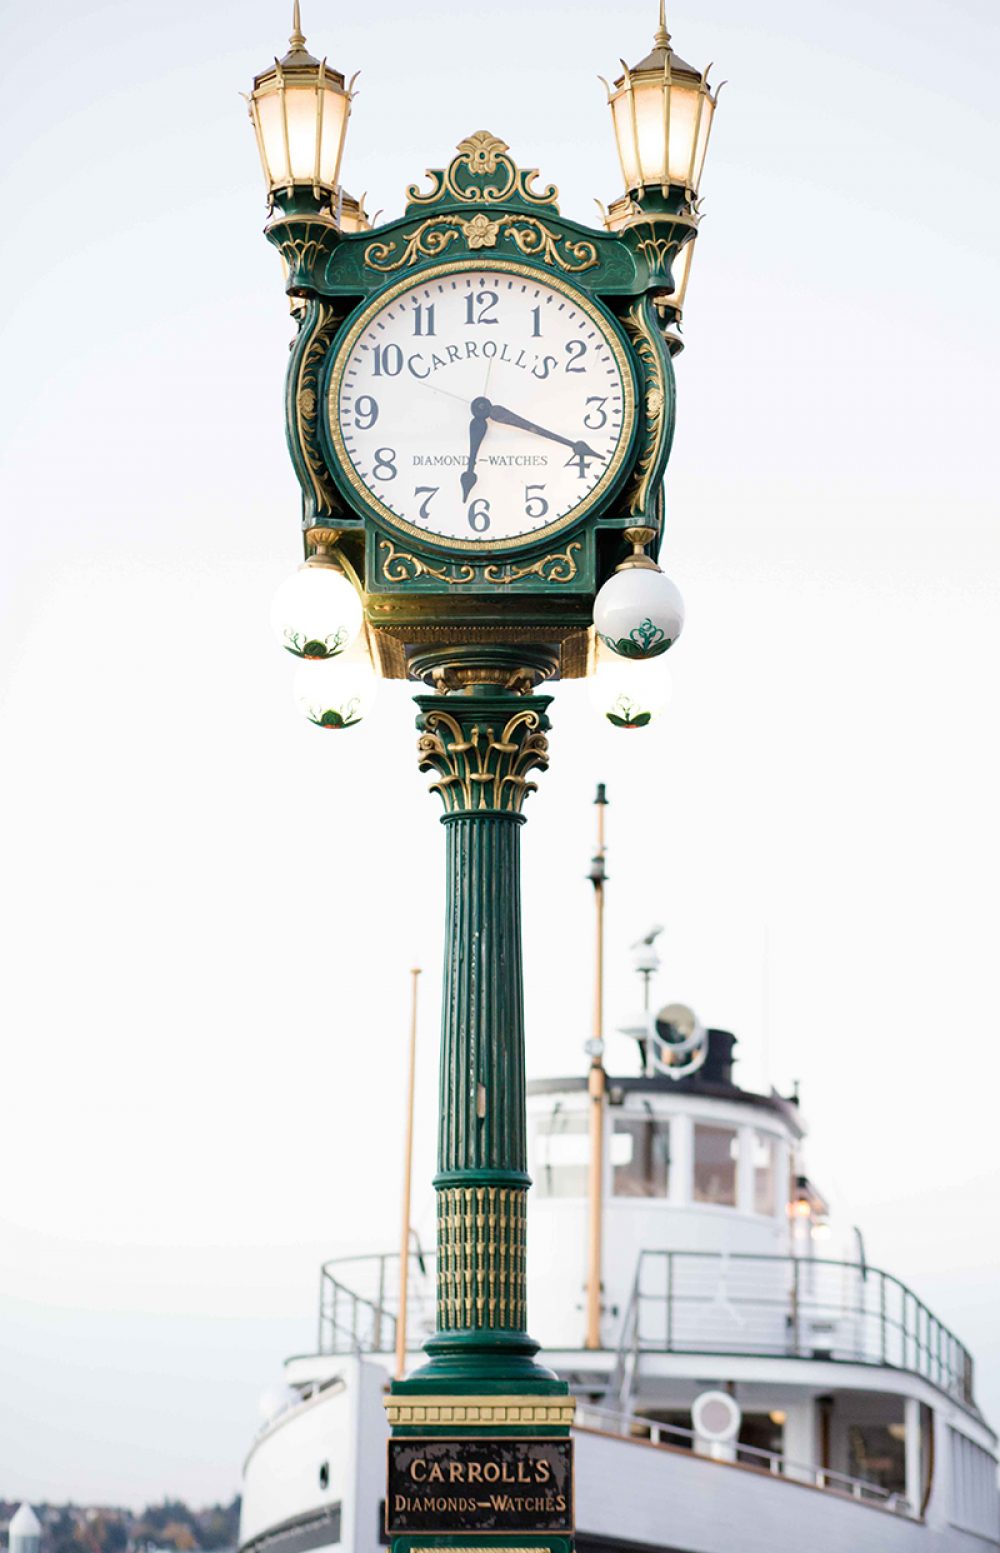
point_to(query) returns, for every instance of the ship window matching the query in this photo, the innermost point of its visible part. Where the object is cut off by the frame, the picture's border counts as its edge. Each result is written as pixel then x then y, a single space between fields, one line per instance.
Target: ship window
pixel 715 1150
pixel 876 1454
pixel 640 1157
pixel 764 1172
pixel 561 1154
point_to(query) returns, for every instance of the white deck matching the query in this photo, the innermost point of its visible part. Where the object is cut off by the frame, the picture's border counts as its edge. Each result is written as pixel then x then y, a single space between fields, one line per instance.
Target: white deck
pixel 627 1488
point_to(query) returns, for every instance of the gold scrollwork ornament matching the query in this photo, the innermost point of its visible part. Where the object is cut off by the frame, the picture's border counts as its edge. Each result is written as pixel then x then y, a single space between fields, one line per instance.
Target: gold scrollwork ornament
pixel 640 332
pixel 400 566
pixel 481 771
pixel 559 568
pixel 531 237
pixel 316 333
pixel 481 156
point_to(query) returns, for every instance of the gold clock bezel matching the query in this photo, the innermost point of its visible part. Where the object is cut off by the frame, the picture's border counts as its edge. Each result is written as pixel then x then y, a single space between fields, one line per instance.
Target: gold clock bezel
pixel 598 316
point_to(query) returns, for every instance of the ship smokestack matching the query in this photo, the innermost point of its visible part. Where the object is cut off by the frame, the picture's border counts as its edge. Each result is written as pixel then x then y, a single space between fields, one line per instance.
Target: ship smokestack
pixel 718 1065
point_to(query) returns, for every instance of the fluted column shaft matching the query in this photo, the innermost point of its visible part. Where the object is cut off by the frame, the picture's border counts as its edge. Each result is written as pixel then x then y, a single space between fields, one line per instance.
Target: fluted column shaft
pixel 481 746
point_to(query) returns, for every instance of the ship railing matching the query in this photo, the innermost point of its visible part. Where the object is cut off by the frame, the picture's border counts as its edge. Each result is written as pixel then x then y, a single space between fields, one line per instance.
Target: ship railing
pixel 709 1302
pixel 798 1307
pixel 359 1302
pixel 634 1426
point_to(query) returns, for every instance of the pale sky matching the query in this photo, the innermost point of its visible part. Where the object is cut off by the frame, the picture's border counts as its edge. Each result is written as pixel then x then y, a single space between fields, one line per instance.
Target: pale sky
pixel 210 909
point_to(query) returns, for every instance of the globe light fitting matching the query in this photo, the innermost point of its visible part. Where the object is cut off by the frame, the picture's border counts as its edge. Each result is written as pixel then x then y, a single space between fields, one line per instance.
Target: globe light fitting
pixel 300 109
pixel 629 693
pixel 335 693
pixel 316 612
pixel 639 612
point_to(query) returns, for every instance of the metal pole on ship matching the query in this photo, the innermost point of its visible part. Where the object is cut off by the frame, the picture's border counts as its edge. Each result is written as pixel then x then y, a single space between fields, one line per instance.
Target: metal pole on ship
pixel 404 1244
pixel 596 1087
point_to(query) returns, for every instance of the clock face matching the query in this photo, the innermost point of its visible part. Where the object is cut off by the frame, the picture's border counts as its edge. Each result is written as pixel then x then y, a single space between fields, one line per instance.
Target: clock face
pixel 483 408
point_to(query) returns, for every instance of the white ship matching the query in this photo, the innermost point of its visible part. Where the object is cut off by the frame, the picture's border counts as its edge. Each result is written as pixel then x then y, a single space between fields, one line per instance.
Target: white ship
pixel 748 1393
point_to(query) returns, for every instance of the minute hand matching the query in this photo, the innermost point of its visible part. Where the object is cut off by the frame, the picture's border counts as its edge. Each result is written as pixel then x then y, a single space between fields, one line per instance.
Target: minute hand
pixel 497 412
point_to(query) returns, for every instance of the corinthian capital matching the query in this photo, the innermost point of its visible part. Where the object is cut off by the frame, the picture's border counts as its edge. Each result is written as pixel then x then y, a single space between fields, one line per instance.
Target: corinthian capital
pixel 482 749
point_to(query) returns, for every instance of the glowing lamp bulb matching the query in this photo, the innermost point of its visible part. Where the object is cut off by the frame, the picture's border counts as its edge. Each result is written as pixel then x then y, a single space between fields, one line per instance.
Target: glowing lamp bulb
pixel 629 693
pixel 639 613
pixel 316 613
pixel 335 693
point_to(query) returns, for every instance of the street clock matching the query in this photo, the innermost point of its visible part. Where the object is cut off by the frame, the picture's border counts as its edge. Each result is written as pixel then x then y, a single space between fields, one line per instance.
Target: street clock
pixel 481 407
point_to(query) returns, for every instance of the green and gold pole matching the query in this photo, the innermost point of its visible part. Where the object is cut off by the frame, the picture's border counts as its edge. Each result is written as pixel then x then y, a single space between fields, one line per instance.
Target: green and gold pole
pixel 482 742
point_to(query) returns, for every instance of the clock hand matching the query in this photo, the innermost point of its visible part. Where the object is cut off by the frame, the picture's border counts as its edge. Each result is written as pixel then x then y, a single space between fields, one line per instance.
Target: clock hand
pixel 497 412
pixel 447 394
pixel 477 431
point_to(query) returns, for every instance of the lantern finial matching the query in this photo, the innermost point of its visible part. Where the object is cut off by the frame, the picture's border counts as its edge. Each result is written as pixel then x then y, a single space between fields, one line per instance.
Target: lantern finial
pixel 661 37
pixel 297 38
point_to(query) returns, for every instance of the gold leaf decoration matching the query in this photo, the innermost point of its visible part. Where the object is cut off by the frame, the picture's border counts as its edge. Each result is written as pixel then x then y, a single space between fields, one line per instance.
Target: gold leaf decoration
pixel 551 568
pixel 481 232
pixel 400 566
pixel 481 151
pixel 481 771
pixel 426 241
pixel 481 157
pixel 530 236
pixel 640 332
pixel 317 331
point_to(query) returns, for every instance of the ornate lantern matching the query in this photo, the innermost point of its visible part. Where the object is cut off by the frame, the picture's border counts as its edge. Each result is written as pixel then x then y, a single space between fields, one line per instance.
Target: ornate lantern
pixel 662 111
pixel 300 109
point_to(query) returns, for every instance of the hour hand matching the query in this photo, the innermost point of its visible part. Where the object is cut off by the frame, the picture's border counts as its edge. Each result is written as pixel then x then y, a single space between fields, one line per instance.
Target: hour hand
pixel 477 431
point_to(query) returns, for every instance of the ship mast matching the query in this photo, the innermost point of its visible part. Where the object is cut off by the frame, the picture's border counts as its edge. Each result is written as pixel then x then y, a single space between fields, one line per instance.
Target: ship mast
pixel 596 1087
pixel 404 1245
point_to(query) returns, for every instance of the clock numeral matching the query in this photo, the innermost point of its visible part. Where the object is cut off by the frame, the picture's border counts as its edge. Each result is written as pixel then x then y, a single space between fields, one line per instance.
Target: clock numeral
pixel 589 419
pixel 423 319
pixel 388 361
pixel 486 302
pixel 536 328
pixel 385 464
pixel 575 350
pixel 365 412
pixel 580 461
pixel 479 515
pixel 535 506
pixel 426 491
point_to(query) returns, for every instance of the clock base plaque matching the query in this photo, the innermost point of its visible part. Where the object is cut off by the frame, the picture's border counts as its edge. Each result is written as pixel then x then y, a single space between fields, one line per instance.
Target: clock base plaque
pixel 486 1486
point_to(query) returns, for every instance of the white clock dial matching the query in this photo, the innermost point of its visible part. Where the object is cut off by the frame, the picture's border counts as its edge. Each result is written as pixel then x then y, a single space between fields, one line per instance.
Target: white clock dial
pixel 482 407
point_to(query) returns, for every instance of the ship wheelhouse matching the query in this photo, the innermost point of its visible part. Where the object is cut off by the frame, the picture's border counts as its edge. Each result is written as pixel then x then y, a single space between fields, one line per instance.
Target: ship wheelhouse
pixel 714 1277
pixel 741 1363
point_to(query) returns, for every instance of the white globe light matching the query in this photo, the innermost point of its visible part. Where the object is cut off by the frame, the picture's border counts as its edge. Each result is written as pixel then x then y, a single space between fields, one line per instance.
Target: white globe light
pixel 335 693
pixel 630 693
pixel 316 613
pixel 639 613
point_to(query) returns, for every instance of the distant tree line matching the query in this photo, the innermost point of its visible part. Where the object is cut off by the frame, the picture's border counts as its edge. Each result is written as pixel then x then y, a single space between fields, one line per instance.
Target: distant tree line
pixel 173 1524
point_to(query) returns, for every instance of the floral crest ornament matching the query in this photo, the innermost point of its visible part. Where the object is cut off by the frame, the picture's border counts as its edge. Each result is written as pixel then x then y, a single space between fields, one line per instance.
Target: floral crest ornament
pixel 645 640
pixel 481 232
pixel 481 151
pixel 301 646
pixel 627 712
pixel 483 173
pixel 346 717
